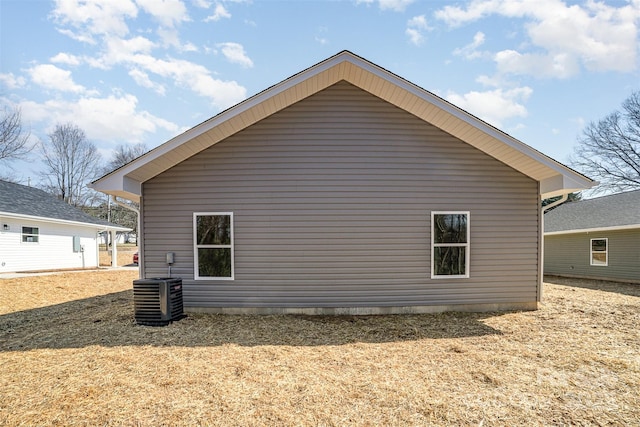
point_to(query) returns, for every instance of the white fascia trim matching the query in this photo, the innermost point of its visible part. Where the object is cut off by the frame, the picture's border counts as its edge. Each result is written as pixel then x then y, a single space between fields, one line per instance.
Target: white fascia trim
pixel 61 221
pixel 593 230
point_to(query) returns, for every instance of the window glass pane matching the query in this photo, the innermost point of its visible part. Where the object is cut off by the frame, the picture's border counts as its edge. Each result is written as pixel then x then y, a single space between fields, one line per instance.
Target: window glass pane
pixel 214 262
pixel 449 260
pixel 599 245
pixel 599 258
pixel 450 228
pixel 30 234
pixel 213 230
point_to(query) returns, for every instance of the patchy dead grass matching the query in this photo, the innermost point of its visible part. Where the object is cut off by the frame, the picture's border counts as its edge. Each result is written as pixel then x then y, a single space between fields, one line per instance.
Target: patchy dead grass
pixel 125 255
pixel 70 354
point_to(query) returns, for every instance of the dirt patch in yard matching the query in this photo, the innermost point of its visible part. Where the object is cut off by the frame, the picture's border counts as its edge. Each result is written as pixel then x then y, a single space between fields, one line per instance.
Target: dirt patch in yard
pixel 71 354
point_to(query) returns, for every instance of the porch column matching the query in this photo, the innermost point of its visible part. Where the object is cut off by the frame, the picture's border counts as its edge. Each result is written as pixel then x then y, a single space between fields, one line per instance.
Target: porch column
pixel 114 249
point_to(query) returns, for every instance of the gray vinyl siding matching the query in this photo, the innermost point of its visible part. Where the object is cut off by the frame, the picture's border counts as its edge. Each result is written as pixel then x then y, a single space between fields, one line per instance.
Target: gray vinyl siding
pixel 332 200
pixel 570 255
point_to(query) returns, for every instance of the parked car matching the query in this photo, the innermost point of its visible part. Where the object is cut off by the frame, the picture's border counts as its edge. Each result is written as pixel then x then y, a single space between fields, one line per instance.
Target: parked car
pixel 135 258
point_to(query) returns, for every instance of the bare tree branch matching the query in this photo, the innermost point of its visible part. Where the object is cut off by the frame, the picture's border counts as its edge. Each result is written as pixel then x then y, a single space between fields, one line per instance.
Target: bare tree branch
pixel 14 141
pixel 609 150
pixel 123 155
pixel 71 162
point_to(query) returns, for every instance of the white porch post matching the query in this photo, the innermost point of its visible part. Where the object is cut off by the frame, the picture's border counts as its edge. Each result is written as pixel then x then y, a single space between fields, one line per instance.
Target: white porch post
pixel 114 249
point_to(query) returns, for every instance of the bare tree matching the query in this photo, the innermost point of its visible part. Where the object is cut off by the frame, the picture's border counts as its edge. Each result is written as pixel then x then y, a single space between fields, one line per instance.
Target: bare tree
pixel 125 154
pixel 609 150
pixel 71 162
pixel 14 140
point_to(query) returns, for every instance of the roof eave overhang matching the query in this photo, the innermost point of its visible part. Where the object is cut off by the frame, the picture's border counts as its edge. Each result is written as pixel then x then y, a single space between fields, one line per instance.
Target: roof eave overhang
pixel 100 227
pixel 594 230
pixel 554 178
pixel 560 184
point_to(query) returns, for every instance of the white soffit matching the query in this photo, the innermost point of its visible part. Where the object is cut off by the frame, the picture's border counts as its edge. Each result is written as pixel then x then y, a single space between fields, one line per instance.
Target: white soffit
pixel 369 77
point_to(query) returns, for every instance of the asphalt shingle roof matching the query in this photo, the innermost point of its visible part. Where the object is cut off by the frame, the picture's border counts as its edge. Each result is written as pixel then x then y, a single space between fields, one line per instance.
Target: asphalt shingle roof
pixel 615 210
pixel 22 200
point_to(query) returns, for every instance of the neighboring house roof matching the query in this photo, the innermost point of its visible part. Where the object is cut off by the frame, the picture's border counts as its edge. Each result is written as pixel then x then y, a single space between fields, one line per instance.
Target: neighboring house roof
pixel 554 178
pixel 21 201
pixel 612 212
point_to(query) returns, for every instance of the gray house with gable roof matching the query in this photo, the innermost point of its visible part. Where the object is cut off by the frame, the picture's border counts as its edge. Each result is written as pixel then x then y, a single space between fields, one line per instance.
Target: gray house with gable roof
pixel 595 238
pixel 344 189
pixel 40 232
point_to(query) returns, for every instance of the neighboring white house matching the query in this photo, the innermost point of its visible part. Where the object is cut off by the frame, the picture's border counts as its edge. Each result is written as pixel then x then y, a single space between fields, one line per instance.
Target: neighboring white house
pixel 40 232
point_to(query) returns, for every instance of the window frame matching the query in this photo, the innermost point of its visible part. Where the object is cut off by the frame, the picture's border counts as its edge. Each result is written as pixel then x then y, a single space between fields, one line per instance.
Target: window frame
pixel 605 252
pixel 32 234
pixel 196 266
pixel 466 245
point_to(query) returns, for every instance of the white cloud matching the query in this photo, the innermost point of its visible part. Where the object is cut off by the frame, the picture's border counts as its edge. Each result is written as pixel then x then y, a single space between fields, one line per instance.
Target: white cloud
pixel 320 35
pixel 142 79
pixel 105 23
pixel 105 119
pixel 416 27
pixel 234 52
pixel 66 58
pixel 95 16
pixel 83 37
pixel 135 53
pixel 11 81
pixel 51 77
pixel 599 36
pixel 493 106
pixel 169 36
pixel 559 65
pixel 168 12
pixel 119 51
pixel 222 94
pixel 415 36
pixel 418 22
pixel 395 5
pixel 477 9
pixel 218 13
pixel 470 51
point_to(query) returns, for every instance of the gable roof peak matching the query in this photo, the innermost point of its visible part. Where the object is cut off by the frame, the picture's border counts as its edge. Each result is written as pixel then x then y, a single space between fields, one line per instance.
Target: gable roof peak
pixel 554 178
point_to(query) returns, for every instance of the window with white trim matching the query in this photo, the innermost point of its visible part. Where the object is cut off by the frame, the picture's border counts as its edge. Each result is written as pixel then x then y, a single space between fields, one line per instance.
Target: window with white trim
pixel 213 245
pixel 30 234
pixel 450 245
pixel 599 252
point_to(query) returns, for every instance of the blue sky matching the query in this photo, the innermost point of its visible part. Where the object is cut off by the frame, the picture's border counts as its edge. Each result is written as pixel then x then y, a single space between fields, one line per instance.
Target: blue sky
pixel 130 71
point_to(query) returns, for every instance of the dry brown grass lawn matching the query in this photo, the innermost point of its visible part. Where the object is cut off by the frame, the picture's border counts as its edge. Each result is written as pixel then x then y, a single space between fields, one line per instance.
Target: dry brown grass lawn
pixel 70 354
pixel 125 255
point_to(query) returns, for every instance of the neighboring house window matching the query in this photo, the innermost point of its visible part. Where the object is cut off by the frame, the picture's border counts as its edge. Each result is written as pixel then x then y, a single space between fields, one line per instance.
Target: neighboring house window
pixel 213 245
pixel 599 248
pixel 450 244
pixel 30 234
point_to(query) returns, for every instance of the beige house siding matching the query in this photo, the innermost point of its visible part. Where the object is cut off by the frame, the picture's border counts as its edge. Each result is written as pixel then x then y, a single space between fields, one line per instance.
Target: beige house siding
pixel 570 255
pixel 332 199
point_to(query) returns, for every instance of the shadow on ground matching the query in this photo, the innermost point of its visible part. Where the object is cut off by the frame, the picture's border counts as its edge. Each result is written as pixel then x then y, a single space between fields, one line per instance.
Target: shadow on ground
pixel 108 320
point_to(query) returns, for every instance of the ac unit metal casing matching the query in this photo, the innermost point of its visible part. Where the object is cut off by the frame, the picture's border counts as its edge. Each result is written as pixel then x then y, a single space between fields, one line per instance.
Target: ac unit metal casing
pixel 157 301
